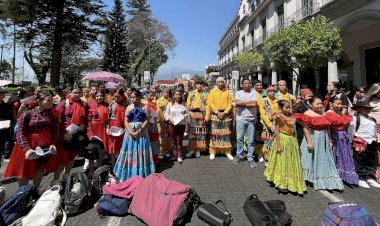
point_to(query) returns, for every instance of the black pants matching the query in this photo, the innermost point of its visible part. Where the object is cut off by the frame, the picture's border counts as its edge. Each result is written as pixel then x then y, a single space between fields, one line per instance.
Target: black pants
pixel 4 137
pixel 364 162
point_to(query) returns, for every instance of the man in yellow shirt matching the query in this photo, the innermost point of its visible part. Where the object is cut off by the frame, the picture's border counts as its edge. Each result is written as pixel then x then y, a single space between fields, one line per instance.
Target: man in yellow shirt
pixel 196 104
pixel 283 94
pixel 220 114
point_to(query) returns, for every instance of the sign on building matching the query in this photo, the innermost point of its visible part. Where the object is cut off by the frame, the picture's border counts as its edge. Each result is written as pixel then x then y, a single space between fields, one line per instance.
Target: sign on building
pixel 235 74
pixel 146 75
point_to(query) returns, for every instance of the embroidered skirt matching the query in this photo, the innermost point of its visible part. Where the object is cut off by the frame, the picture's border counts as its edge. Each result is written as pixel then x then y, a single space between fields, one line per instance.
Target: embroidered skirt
pixel 198 132
pixel 220 135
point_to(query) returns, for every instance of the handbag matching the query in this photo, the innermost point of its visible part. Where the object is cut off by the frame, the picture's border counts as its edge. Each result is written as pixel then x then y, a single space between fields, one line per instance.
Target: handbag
pixel 359 144
pixel 214 215
pixel 266 213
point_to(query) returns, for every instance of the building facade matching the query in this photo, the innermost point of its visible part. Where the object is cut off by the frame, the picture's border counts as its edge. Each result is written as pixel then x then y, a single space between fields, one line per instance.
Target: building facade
pixel 359 23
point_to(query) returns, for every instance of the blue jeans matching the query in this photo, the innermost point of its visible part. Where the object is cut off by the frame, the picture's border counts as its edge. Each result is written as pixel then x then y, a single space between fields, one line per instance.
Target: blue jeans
pixel 245 126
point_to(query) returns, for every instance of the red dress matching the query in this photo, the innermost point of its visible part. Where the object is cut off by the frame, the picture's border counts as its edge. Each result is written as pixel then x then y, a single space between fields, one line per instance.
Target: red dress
pixel 338 123
pixel 116 114
pixel 40 131
pixel 75 112
pixel 97 121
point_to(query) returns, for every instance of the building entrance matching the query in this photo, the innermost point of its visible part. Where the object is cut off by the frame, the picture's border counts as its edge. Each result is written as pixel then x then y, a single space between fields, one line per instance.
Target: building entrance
pixel 372 65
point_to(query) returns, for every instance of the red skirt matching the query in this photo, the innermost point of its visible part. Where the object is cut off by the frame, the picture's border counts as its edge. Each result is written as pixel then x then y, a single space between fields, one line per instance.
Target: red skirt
pixel 20 167
pixel 114 143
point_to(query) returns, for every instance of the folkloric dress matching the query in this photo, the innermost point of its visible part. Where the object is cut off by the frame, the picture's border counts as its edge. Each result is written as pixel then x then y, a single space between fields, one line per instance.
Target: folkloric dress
pixel 284 168
pixel 318 164
pixel 166 142
pixel 71 112
pixel 267 107
pixel 136 156
pixel 97 122
pixel 196 103
pixel 41 130
pixel 116 118
pixel 153 128
pixel 344 161
pixel 220 101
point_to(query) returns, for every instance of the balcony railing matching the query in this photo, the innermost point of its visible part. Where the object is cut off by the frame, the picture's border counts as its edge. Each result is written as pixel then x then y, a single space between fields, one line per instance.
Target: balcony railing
pixel 325 2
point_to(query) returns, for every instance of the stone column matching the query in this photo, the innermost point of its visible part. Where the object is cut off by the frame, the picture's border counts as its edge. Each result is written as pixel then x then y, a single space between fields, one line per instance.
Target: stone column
pixel 296 72
pixel 259 74
pixel 274 74
pixel 317 80
pixel 332 68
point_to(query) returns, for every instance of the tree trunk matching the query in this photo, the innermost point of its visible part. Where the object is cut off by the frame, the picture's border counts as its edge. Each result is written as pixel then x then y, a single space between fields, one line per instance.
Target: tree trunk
pixel 57 46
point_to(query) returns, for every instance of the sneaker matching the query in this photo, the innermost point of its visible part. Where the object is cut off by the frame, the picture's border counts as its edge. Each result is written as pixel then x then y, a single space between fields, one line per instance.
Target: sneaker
pixel 179 160
pixel 212 156
pixel 266 163
pixel 261 159
pixel 189 154
pixel 160 156
pixel 373 183
pixel 253 164
pixel 230 157
pixel 198 154
pixel 363 184
pixel 167 154
pixel 237 160
pixel 5 160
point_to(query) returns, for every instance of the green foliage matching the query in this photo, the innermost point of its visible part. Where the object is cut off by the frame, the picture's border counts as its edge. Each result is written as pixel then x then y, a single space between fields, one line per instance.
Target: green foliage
pixel 116 54
pixel 306 44
pixel 249 61
pixel 5 69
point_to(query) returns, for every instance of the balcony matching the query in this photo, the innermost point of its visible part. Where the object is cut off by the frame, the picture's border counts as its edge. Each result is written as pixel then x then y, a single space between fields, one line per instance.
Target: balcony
pixel 306 11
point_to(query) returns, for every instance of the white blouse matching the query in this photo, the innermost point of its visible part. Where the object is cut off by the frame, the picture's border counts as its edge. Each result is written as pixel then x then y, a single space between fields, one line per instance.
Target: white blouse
pixel 177 111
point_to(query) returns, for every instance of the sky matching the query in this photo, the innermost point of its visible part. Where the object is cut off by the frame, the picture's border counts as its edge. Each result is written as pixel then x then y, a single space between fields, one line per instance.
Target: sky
pixel 197 25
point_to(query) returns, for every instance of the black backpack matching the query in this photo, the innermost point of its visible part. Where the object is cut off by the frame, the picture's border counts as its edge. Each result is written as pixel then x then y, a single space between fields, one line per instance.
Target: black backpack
pixel 17 204
pixel 189 205
pixel 77 193
pixel 266 213
pixel 100 178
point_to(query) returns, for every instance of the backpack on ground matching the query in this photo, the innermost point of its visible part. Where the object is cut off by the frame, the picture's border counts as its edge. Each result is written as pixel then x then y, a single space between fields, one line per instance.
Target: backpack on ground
pixel 45 210
pixel 77 192
pixel 189 205
pixel 2 195
pixel 109 205
pixel 347 214
pixel 16 205
pixel 263 213
pixel 99 179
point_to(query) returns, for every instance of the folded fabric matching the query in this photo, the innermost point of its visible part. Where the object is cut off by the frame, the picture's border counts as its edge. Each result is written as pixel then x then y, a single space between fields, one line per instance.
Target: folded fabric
pixel 125 189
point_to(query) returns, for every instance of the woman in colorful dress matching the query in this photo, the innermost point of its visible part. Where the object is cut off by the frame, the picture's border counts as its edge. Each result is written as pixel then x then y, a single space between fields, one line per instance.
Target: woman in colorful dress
pixel 71 111
pixel 96 128
pixel 178 116
pixel 36 128
pixel 221 116
pixel 136 154
pixel 268 106
pixel 341 142
pixel 284 169
pixel 153 124
pixel 166 143
pixel 116 119
pixel 316 149
pixel 196 104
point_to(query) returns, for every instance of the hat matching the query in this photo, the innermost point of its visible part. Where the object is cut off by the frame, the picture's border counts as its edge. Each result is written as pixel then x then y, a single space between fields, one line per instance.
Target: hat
pixel 362 104
pixel 305 92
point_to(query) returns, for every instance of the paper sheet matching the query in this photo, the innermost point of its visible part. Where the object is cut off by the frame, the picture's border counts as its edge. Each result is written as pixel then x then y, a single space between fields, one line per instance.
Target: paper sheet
pixel 177 119
pixel 5 124
pixel 72 129
pixel 116 131
pixel 41 152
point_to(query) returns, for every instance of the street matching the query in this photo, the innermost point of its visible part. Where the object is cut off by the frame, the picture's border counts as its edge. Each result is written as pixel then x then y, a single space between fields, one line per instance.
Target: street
pixel 220 179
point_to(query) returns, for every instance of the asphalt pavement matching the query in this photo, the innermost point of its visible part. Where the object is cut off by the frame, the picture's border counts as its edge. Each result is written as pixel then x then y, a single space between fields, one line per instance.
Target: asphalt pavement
pixel 220 179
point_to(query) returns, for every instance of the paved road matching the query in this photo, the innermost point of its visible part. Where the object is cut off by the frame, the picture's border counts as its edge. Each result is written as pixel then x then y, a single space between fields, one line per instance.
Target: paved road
pixel 220 179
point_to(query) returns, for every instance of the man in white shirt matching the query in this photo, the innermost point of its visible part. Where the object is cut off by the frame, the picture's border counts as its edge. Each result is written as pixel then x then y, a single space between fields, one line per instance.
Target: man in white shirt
pixel 246 106
pixel 365 127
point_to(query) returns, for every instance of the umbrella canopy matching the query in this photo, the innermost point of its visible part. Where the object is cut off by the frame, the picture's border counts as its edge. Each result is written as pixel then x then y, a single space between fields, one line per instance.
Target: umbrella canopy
pixel 5 82
pixel 111 85
pixel 103 76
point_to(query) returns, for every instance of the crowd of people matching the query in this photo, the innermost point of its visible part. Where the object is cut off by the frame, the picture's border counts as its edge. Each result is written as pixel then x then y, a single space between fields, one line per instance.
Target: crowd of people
pixel 306 140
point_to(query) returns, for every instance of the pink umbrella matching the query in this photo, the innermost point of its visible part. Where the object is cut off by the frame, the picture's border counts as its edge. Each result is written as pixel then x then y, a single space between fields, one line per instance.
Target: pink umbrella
pixel 103 76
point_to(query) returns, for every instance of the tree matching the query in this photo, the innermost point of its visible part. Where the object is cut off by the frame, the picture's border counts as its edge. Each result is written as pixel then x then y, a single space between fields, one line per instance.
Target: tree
pixel 201 78
pixel 116 54
pixel 304 45
pixel 5 70
pixel 249 61
pixel 144 33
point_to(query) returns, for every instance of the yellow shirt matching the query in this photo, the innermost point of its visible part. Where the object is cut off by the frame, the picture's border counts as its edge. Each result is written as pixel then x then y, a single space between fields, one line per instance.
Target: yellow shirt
pixel 220 100
pixel 162 102
pixel 196 100
pixel 264 115
pixel 287 96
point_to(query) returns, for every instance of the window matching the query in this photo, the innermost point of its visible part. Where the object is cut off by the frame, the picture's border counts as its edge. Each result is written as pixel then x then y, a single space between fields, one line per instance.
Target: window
pixel 264 26
pixel 307 7
pixel 281 18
